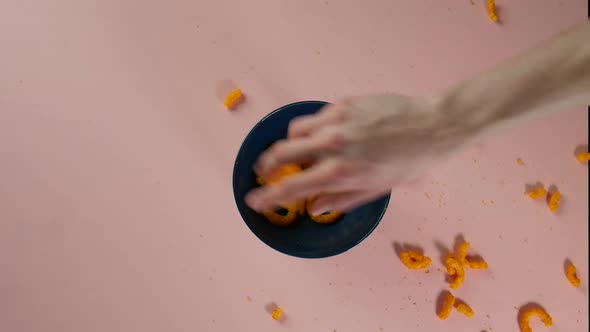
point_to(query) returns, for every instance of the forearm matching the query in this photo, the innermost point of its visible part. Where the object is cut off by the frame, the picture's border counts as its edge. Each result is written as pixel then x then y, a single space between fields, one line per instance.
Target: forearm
pixel 554 76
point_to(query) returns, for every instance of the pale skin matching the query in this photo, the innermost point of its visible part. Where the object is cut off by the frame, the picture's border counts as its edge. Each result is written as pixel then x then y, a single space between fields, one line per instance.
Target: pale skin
pixel 362 147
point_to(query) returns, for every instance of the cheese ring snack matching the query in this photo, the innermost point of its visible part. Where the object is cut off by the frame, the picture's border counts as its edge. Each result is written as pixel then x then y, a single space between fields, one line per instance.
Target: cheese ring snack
pixel 292 209
pixel 233 99
pixel 455 271
pixel 536 193
pixel 532 312
pixel 465 309
pixel 570 274
pixel 324 218
pixel 446 306
pixel 583 157
pixel 491 7
pixel 553 200
pixel 414 260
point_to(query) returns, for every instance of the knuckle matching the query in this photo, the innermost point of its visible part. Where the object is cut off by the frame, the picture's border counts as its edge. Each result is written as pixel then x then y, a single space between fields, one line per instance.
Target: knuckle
pixel 340 169
pixel 296 125
pixel 335 139
pixel 283 191
pixel 278 149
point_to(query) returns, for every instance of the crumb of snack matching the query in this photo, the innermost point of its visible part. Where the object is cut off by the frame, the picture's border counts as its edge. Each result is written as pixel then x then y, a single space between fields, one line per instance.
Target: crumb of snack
pixel 553 201
pixel 520 162
pixel 324 218
pixel 462 252
pixel 570 273
pixel 531 312
pixel 536 193
pixel 277 313
pixel 583 156
pixel 414 260
pixel 491 7
pixel 446 306
pixel 465 309
pixel 233 99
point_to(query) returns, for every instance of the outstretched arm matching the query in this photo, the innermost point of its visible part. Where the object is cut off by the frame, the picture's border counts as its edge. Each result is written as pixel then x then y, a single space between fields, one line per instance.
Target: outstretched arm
pixel 362 147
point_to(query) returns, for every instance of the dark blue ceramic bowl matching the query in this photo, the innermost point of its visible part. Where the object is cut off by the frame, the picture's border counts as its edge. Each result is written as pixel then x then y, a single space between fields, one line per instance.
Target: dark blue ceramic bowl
pixel 304 238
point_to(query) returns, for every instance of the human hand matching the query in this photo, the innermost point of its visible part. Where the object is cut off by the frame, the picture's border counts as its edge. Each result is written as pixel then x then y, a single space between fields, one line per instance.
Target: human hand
pixel 359 149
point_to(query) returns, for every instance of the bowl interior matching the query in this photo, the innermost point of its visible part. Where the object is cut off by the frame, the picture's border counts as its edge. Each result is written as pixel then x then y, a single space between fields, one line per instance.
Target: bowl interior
pixel 304 238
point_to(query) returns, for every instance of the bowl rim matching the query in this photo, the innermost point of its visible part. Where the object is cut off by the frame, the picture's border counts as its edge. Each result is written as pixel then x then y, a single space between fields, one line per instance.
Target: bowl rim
pixel 327 254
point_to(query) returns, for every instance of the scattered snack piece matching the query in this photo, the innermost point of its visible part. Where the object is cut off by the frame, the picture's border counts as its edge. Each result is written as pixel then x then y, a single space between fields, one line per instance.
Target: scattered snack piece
pixel 462 252
pixel 465 309
pixel 553 201
pixel 277 313
pixel 520 162
pixel 477 264
pixel 534 311
pixel 414 260
pixel 583 156
pixel 324 218
pixel 446 306
pixel 455 271
pixel 233 99
pixel 491 6
pixel 536 193
pixel 570 273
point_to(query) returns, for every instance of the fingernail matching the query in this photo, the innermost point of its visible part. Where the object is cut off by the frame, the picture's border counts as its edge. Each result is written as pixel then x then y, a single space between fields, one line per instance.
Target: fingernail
pixel 319 209
pixel 252 201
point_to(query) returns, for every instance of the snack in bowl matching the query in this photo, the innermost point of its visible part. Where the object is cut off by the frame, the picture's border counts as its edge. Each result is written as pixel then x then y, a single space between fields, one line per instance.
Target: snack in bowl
pixel 324 218
pixel 289 211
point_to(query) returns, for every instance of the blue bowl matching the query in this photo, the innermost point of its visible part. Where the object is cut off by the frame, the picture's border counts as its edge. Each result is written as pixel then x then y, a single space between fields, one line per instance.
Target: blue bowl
pixel 304 238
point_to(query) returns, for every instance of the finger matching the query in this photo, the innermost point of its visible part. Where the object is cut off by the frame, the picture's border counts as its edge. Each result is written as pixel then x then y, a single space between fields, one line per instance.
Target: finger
pixel 307 124
pixel 299 150
pixel 326 176
pixel 345 201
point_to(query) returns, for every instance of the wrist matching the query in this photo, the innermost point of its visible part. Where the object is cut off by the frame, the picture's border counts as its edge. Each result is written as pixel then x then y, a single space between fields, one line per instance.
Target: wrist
pixel 461 114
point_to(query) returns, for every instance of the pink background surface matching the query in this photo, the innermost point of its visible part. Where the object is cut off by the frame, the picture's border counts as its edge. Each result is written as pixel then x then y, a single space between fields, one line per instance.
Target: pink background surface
pixel 116 207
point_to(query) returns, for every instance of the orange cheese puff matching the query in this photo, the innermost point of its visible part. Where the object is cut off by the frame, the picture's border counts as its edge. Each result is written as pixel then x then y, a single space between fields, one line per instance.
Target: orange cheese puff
pixel 447 306
pixel 582 157
pixel 233 99
pixel 529 313
pixel 293 209
pixel 553 202
pixel 457 281
pixel 282 220
pixel 537 193
pixel 324 218
pixel 277 313
pixel 477 264
pixel 462 253
pixel 281 173
pixel 414 260
pixel 456 272
pixel 465 309
pixel 570 273
pixel 491 6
